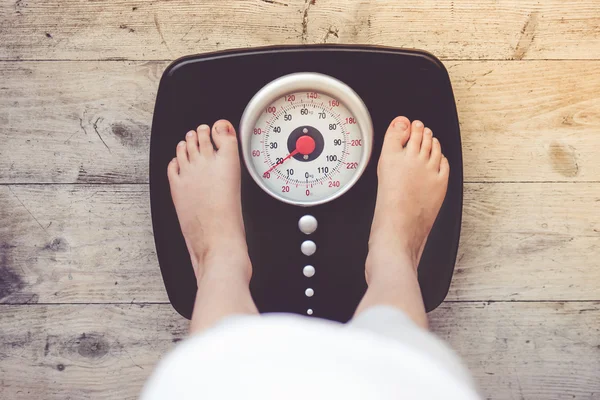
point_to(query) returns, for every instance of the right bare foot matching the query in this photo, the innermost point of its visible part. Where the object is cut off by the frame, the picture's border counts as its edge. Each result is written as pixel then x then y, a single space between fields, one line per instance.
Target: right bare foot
pixel 413 178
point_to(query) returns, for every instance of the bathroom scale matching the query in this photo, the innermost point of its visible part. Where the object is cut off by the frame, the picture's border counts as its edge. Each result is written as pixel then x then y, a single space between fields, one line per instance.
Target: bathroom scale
pixel 310 122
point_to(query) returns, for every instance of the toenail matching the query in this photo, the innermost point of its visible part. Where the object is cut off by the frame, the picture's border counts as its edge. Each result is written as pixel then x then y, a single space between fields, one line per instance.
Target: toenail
pixel 418 124
pixel 401 125
pixel 189 134
pixel 180 144
pixel 428 132
pixel 203 127
pixel 222 128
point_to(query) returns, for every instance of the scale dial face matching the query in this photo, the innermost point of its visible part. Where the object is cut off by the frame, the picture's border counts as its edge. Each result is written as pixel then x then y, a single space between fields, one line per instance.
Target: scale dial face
pixel 306 138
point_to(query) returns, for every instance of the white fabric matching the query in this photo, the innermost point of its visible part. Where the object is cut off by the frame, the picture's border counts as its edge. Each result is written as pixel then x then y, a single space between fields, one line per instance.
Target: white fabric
pixel 292 357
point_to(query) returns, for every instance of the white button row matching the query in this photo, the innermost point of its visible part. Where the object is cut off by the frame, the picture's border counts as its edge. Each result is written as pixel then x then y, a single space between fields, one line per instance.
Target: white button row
pixel 308 224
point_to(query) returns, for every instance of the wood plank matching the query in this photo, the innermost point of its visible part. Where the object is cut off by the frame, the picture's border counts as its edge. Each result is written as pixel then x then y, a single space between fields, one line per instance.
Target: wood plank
pixel 526 350
pixel 462 29
pixel 529 241
pixel 83 351
pixel 520 121
pixel 84 122
pixel 514 350
pixel 529 121
pixel 77 244
pixel 94 243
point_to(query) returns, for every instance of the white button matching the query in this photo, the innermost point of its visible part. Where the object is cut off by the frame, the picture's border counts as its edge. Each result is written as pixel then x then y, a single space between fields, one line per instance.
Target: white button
pixel 308 271
pixel 308 224
pixel 309 311
pixel 308 247
pixel 309 292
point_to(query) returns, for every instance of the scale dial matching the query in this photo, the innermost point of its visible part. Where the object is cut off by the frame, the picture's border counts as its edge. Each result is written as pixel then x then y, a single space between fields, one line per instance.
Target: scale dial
pixel 306 138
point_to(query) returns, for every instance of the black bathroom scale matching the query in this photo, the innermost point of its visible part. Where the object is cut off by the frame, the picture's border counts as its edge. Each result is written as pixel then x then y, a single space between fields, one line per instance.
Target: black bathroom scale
pixel 310 123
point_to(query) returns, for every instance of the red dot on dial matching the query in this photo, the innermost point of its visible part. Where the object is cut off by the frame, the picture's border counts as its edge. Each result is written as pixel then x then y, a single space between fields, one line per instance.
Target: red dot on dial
pixel 305 145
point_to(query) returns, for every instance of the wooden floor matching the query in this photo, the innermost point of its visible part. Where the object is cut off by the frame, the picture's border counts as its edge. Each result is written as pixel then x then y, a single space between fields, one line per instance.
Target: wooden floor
pixel 83 312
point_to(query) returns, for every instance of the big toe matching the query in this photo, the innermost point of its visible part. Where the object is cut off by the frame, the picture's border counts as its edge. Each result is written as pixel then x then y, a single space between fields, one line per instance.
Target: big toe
pixel 224 136
pixel 397 134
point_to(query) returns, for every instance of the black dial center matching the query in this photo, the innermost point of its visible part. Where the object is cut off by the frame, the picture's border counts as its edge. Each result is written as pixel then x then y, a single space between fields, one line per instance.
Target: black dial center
pixel 306 131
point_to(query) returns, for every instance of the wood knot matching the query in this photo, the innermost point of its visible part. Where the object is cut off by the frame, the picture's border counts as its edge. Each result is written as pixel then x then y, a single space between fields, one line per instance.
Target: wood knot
pixel 89 345
pixel 563 159
pixel 58 244
pixel 131 134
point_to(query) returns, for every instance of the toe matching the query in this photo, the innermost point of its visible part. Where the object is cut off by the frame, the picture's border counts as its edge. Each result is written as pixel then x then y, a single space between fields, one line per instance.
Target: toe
pixel 436 153
pixel 182 156
pixel 206 147
pixel 416 137
pixel 444 168
pixel 223 134
pixel 427 142
pixel 397 134
pixel 192 145
pixel 173 170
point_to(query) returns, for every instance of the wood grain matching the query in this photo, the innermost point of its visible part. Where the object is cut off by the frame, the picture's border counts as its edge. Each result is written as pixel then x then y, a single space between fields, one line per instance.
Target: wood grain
pixel 529 241
pixel 514 350
pixel 94 243
pixel 76 122
pixel 526 350
pixel 77 244
pixel 83 351
pixel 529 121
pixel 462 29
pixel 89 122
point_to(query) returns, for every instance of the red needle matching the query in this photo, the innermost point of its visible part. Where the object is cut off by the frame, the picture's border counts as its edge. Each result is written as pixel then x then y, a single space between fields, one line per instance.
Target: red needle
pixel 292 154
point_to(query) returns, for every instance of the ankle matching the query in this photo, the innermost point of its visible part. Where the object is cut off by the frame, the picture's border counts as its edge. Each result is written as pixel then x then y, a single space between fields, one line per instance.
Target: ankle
pixel 225 263
pixel 393 237
pixel 203 249
pixel 387 247
pixel 385 266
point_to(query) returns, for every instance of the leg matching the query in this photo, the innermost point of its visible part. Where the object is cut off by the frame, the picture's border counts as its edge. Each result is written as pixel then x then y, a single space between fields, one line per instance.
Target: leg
pixel 413 177
pixel 205 185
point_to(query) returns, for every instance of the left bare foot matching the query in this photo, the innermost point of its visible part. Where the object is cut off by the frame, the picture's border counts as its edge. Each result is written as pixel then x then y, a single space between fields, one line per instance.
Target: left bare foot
pixel 205 186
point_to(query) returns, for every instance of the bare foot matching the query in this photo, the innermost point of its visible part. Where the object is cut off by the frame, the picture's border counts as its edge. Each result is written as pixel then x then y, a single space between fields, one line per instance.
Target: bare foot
pixel 205 186
pixel 413 177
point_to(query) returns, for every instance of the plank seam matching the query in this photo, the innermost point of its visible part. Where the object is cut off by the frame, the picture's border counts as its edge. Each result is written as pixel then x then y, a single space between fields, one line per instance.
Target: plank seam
pixel 91 183
pixel 171 60
pixel 167 303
